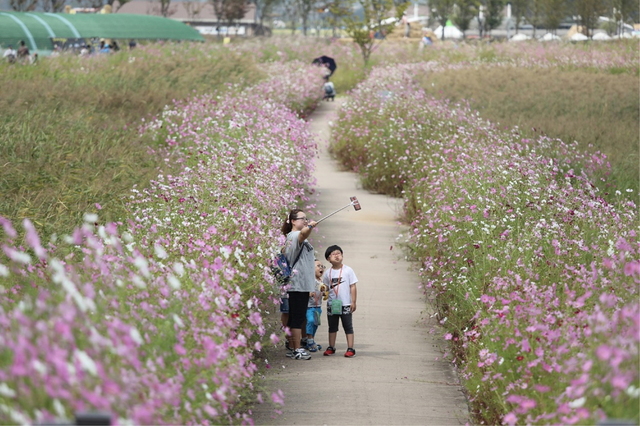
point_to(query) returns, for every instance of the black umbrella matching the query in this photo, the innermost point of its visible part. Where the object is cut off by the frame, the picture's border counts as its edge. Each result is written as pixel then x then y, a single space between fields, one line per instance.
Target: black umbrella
pixel 328 62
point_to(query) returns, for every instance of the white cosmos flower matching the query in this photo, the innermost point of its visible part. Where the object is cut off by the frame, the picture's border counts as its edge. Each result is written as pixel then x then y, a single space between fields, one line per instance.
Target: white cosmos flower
pixel 86 362
pixel 578 402
pixel 90 217
pixel 6 391
pixel 178 268
pixel 174 282
pixel 178 321
pixel 135 335
pixel 160 251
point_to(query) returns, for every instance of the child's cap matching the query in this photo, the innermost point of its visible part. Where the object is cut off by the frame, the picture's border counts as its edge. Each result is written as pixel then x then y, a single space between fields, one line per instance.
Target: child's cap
pixel 330 250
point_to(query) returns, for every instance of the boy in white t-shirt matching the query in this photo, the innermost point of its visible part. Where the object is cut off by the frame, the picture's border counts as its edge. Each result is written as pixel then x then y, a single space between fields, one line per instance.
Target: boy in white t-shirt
pixel 341 280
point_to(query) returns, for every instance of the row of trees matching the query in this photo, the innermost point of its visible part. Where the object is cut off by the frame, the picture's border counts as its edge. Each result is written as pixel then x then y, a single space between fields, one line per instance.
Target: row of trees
pixel 539 13
pixel 58 6
pixel 489 14
pixel 340 13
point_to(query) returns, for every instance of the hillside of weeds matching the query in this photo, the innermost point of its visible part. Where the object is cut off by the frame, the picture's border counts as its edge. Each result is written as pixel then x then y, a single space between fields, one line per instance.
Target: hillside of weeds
pixel 142 200
pixel 158 319
pixel 69 125
pixel 529 264
pixel 583 93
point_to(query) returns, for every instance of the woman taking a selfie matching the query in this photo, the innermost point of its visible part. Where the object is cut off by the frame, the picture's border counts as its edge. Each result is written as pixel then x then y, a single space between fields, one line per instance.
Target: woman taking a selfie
pixel 300 255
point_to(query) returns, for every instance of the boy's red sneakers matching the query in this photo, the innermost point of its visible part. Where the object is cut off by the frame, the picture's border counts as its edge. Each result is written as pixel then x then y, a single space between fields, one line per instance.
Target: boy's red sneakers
pixel 350 353
pixel 329 351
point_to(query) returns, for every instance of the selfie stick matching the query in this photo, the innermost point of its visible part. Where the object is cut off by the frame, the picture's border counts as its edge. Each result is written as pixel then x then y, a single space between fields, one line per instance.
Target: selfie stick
pixel 354 202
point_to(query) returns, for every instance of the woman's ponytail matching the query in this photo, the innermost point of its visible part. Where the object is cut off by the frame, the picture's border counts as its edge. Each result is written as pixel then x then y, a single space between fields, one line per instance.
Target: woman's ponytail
pixel 287 226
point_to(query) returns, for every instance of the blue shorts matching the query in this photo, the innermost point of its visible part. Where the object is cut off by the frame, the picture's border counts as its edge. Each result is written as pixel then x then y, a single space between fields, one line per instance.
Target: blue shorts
pixel 284 305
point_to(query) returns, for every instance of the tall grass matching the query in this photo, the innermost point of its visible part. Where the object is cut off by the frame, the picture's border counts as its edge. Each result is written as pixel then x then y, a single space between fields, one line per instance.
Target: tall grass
pixel 532 272
pixel 581 92
pixel 599 110
pixel 68 126
pixel 157 320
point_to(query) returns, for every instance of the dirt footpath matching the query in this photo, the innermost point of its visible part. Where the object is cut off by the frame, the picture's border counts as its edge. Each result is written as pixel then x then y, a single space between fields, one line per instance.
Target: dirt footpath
pixel 395 378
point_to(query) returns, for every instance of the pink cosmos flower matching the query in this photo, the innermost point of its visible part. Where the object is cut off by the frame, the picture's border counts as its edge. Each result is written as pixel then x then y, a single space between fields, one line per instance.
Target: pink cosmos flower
pixel 278 397
pixel 510 419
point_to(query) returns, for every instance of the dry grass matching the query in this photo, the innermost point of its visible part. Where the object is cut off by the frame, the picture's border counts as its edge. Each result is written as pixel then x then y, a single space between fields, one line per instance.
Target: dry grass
pixel 68 127
pixel 596 109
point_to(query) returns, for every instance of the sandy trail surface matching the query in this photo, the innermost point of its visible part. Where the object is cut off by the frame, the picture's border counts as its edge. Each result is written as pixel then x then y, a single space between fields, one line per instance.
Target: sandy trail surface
pixel 398 376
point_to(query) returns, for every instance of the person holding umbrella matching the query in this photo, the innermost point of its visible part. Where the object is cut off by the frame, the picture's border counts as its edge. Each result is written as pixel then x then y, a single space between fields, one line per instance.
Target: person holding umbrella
pixel 328 62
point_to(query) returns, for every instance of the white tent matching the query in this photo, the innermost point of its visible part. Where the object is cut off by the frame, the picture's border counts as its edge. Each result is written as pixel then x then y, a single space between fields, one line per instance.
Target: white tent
pixel 579 37
pixel 601 36
pixel 520 37
pixel 549 37
pixel 450 31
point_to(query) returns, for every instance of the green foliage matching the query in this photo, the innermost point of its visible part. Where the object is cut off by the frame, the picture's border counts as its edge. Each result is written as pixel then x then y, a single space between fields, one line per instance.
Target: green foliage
pixel 589 12
pixel 363 31
pixel 338 11
pixel 518 11
pixel 493 14
pixel 464 12
pixel 554 12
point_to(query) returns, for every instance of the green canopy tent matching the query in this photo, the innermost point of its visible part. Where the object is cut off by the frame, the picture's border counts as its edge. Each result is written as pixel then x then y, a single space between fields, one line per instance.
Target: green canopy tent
pixel 38 30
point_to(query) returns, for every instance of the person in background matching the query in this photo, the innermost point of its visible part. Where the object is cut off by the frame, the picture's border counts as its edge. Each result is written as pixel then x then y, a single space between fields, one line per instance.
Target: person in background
pixel 405 23
pixel 341 281
pixel 329 90
pixel 426 40
pixel 23 52
pixel 10 54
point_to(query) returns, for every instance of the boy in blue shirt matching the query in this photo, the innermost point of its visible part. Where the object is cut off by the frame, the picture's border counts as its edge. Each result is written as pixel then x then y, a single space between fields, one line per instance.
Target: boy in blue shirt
pixel 314 309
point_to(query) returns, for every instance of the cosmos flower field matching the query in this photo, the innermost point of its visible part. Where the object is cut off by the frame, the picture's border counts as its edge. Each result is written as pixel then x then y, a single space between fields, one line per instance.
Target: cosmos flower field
pixel 160 318
pixel 531 273
pixel 157 320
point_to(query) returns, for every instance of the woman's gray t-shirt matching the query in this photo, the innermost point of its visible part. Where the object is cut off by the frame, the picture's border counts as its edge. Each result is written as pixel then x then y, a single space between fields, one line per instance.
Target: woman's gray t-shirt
pixel 303 277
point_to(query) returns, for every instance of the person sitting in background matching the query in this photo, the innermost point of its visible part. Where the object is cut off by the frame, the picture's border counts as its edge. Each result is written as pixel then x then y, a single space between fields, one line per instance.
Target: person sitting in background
pixel 426 40
pixel 10 54
pixel 329 91
pixel 23 52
